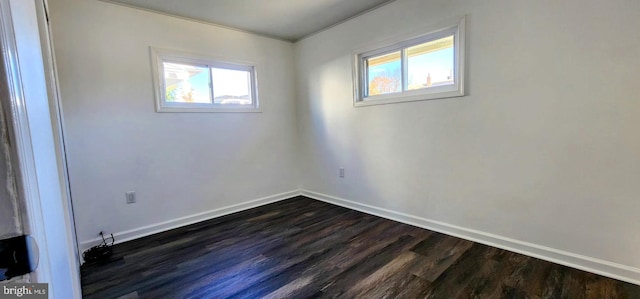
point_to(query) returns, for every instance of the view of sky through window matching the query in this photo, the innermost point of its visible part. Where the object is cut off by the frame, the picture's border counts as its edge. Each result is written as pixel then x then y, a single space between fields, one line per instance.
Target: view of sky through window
pixel 231 86
pixel 429 64
pixel 385 73
pixel 186 83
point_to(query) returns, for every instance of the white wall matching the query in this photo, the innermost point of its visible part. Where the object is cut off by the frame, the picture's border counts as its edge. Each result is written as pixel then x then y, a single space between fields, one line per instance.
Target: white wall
pixel 179 164
pixel 544 148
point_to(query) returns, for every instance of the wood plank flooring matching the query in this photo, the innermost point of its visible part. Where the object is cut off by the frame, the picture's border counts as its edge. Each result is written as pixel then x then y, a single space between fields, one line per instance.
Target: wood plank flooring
pixel 303 248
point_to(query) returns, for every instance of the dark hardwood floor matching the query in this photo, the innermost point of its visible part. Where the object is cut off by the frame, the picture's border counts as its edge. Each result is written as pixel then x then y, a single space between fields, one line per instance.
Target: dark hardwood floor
pixel 301 248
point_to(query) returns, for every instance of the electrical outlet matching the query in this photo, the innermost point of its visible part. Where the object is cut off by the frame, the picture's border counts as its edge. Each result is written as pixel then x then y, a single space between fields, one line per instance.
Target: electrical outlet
pixel 341 172
pixel 131 197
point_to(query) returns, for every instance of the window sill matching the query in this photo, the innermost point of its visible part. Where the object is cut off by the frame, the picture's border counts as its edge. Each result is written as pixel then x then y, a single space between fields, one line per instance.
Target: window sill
pixel 209 110
pixel 406 97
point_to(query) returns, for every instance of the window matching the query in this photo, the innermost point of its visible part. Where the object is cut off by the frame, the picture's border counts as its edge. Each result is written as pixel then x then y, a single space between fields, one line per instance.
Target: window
pixel 427 67
pixel 191 83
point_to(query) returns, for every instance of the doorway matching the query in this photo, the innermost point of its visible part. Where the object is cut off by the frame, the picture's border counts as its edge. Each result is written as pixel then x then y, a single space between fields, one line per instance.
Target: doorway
pixel 34 131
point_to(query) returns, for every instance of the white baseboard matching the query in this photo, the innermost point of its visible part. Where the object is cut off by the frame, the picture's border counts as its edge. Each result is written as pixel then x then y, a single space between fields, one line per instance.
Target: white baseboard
pixel 586 263
pixel 144 231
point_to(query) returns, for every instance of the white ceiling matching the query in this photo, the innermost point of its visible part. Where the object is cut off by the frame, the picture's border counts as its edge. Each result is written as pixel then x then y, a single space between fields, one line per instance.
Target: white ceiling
pixel 284 19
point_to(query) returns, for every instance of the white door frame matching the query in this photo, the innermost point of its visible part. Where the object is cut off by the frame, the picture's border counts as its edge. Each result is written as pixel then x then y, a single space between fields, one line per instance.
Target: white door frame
pixel 35 129
pixel 55 105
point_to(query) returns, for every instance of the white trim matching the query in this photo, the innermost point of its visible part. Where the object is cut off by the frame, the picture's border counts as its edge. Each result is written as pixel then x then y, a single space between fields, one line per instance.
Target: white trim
pixel 37 154
pixel 160 55
pixel 55 105
pixel 578 261
pixel 457 89
pixel 26 170
pixel 144 231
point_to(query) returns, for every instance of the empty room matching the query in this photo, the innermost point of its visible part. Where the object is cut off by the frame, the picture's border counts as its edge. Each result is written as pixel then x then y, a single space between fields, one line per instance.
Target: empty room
pixel 326 148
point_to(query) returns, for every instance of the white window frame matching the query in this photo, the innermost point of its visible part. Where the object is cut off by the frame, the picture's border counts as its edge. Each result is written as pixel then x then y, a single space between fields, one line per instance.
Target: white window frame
pixel 159 56
pixel 360 77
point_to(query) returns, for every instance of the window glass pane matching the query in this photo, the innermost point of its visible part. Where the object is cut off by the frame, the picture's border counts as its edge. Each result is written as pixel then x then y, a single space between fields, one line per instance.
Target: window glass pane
pixel 186 83
pixel 431 64
pixel 231 87
pixel 384 74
